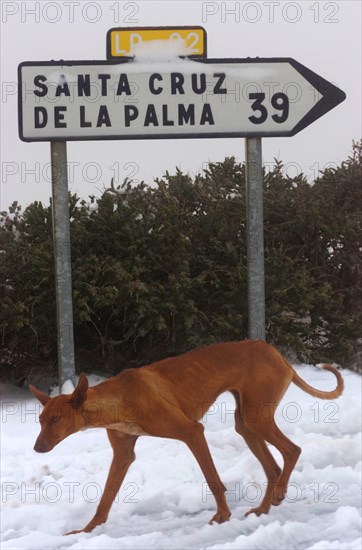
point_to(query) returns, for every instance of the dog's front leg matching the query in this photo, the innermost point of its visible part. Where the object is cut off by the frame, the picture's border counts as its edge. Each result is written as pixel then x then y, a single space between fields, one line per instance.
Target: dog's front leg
pixel 123 456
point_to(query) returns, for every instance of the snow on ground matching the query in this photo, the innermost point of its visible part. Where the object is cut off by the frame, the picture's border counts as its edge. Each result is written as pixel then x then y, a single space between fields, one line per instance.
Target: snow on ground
pixel 164 502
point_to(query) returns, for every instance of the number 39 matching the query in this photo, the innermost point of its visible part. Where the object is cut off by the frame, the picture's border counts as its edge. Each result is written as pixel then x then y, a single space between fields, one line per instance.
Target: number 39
pixel 279 101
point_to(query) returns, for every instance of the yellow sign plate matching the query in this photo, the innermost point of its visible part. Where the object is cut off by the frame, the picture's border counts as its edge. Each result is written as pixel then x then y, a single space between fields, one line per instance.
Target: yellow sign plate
pixel 122 42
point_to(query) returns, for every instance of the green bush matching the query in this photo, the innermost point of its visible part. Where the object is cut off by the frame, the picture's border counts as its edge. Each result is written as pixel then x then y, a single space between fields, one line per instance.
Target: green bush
pixel 160 269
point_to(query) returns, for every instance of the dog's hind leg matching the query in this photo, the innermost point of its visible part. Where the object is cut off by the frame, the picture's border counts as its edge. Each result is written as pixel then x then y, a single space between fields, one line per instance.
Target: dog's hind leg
pixel 259 448
pixel 265 428
pixel 176 425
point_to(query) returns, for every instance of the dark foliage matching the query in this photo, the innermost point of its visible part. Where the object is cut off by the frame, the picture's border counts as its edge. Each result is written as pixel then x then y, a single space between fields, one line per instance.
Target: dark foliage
pixel 160 269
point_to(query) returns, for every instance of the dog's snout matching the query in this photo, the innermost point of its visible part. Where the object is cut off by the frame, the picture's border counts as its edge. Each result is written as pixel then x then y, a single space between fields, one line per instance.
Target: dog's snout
pixel 42 445
pixel 40 448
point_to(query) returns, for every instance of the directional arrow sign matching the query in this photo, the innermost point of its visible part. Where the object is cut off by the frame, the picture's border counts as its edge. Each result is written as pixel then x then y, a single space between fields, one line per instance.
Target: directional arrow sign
pixel 80 100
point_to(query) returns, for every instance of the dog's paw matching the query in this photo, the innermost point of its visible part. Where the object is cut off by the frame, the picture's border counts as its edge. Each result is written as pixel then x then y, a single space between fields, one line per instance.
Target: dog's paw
pixel 277 500
pixel 220 517
pixel 258 511
pixel 77 531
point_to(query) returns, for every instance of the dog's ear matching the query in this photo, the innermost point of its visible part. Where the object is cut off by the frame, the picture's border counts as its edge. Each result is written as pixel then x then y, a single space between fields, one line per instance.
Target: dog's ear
pixel 80 393
pixel 41 396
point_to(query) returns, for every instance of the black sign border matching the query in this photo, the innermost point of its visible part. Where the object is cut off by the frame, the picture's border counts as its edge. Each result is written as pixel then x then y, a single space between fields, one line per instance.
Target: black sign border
pixel 331 97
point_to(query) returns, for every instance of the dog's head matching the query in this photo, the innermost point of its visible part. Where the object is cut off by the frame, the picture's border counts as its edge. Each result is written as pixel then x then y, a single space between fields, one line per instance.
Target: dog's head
pixel 61 416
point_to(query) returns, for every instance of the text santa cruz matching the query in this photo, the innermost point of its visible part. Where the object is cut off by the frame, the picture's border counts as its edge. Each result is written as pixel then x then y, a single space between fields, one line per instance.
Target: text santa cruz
pixel 103 85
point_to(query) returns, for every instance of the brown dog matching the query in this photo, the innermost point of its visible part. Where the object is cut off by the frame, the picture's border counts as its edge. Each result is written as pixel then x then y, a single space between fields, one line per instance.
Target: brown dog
pixel 169 398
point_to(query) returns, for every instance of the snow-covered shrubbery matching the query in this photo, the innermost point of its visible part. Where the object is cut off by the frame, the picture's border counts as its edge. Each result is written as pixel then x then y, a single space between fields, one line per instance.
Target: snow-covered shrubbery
pixel 159 269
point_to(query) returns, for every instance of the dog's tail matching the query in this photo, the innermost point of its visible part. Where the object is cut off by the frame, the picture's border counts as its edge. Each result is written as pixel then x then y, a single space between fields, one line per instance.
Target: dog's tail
pixel 318 393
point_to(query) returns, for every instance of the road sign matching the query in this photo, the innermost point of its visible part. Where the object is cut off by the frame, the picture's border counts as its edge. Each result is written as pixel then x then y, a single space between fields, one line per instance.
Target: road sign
pixel 211 98
pixel 123 42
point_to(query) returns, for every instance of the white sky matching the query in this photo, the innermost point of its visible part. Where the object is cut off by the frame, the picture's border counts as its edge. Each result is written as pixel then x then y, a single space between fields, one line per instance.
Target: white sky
pixel 325 36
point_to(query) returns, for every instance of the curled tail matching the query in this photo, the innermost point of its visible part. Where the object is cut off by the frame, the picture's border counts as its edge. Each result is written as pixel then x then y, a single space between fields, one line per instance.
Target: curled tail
pixel 318 393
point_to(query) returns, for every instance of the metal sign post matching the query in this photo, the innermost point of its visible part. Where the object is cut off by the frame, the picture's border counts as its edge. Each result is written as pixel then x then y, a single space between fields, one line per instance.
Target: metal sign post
pixel 63 271
pixel 255 237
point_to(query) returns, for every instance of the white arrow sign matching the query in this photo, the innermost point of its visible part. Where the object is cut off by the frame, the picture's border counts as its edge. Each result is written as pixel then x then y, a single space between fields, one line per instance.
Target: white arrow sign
pixel 79 100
